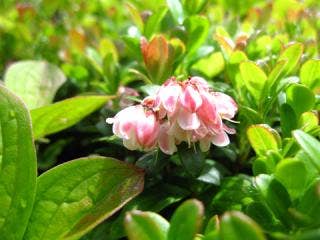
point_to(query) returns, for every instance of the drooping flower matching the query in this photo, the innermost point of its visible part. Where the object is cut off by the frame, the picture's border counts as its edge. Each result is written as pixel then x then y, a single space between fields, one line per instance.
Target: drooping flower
pixel 185 111
pixel 137 127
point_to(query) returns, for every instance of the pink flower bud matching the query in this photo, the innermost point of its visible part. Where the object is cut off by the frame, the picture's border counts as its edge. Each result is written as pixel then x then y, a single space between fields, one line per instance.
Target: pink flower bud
pixel 137 127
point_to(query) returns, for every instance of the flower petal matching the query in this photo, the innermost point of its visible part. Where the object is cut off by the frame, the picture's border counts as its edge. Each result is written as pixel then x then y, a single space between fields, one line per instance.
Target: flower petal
pixel 188 120
pixel 221 139
pixel 166 141
pixel 190 99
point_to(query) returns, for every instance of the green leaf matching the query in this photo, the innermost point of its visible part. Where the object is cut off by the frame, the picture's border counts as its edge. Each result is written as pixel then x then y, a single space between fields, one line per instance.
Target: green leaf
pixel 74 197
pixel 193 6
pixel 292 173
pixel 236 225
pixel 310 145
pixel 310 203
pixel 288 119
pixel 310 74
pixel 176 10
pixel 154 21
pixel 308 121
pixel 192 159
pixel 135 16
pixel 61 115
pixel 300 98
pixel 211 65
pixel 186 221
pixel 254 79
pixel 36 82
pixel 145 226
pixel 262 138
pixel 197 28
pixel 291 55
pixel 17 166
pixel 153 199
pixel 276 197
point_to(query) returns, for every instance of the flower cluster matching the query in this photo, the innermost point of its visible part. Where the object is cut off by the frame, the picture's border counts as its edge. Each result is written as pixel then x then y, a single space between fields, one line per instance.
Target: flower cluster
pixel 185 111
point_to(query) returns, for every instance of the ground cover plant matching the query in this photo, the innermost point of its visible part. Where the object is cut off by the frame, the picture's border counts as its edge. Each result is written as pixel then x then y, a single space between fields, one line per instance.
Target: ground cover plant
pixel 160 120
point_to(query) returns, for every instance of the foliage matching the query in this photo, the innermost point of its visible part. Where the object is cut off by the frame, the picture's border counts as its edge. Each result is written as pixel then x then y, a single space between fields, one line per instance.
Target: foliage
pixel 68 65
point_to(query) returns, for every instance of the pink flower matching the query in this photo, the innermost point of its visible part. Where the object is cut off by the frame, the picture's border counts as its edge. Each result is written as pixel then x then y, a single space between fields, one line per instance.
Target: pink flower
pixel 137 127
pixel 185 111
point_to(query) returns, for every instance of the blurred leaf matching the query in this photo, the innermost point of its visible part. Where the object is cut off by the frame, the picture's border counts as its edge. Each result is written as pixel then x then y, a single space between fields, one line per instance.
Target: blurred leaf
pixel 276 197
pixel 193 6
pixel 186 221
pixel 176 10
pixel 300 98
pixel 308 121
pixel 310 74
pixel 197 28
pixel 291 55
pixel 74 197
pixel 292 173
pixel 36 82
pixel 310 203
pixel 310 145
pixel 254 79
pixel 145 226
pixel 262 138
pixel 18 169
pixel 153 23
pixel 135 16
pixel 236 225
pixel 210 66
pixel 61 115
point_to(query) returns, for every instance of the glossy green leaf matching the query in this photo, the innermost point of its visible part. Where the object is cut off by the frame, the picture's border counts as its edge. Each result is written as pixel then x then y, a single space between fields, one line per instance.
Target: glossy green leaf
pixel 61 115
pixel 309 204
pixel 186 221
pixel 74 197
pixel 254 78
pixel 275 196
pixel 155 199
pixel 310 145
pixel 292 173
pixel 36 82
pixel 288 119
pixel 262 138
pixel 17 166
pixel 236 226
pixel 198 29
pixel 145 226
pixel 300 98
pixel 310 74
pixel 176 10
pixel 308 121
pixel 291 55
pixel 192 159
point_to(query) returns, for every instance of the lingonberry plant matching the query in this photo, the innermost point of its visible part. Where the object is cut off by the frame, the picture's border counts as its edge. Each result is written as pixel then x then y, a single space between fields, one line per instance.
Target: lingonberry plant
pixel 187 120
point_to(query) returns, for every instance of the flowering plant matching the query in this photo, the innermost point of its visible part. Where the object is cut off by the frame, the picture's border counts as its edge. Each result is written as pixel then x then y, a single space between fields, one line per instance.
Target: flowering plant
pixel 185 111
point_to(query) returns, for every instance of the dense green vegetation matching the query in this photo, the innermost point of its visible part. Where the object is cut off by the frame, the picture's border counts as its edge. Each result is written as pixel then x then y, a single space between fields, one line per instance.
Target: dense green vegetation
pixel 68 65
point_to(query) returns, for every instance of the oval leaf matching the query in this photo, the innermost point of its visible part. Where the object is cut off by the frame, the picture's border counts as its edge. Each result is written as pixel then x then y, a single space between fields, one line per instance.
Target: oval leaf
pixel 17 166
pixel 74 197
pixel 291 55
pixel 236 225
pixel 254 78
pixel 310 145
pixel 36 82
pixel 61 115
pixel 310 74
pixel 292 174
pixel 186 221
pixel 300 98
pixel 146 226
pixel 262 138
